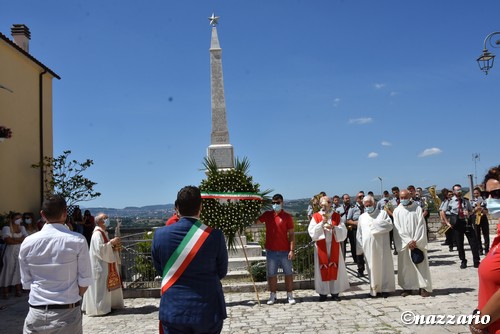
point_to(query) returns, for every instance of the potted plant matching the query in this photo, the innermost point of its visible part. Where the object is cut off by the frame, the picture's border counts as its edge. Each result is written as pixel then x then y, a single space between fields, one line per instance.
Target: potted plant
pixel 4 133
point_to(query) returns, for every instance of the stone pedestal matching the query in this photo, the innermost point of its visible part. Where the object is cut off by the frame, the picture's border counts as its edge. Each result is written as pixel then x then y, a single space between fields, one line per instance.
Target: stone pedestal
pixel 223 155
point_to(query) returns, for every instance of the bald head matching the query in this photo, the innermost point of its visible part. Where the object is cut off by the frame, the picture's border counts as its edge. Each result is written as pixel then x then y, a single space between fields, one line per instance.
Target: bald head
pixel 404 194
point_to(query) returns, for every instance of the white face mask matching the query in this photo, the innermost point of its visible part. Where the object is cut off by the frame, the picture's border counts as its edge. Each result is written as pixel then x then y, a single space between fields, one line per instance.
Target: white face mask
pixel 27 220
pixel 493 206
pixel 405 202
pixel 106 222
pixel 18 221
pixel 369 209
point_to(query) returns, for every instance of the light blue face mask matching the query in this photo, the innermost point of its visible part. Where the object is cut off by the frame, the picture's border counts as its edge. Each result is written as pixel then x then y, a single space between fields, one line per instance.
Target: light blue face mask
pixel 370 209
pixel 405 202
pixel 277 207
pixel 493 206
pixel 106 222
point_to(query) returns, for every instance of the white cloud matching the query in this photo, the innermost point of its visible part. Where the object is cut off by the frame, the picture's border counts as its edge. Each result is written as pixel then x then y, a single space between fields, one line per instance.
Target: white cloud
pixel 393 93
pixel 430 151
pixel 362 120
pixel 379 85
pixel 336 102
pixel 372 155
pixel 386 143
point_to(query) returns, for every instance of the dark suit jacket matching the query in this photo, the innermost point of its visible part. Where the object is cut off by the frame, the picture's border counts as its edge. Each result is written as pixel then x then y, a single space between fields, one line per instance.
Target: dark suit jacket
pixel 196 298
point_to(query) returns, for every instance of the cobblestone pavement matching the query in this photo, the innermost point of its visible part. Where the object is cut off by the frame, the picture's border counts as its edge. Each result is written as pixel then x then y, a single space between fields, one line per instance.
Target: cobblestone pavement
pixel 455 293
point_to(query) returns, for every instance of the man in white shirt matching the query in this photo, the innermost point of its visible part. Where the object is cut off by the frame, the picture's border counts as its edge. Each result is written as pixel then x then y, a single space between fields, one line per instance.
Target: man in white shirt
pixel 55 267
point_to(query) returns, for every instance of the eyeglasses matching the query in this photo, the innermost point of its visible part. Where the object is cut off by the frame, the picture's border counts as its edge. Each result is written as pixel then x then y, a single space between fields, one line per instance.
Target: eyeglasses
pixel 276 202
pixel 361 196
pixel 494 194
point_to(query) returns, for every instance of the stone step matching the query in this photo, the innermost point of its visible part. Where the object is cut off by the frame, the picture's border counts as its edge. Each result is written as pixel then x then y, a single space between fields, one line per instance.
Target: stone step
pixel 251 250
pixel 236 274
pixel 239 263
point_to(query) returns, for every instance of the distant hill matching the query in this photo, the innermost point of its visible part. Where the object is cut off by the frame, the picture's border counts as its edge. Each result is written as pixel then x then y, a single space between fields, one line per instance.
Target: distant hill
pixel 295 206
pixel 161 211
pixel 150 211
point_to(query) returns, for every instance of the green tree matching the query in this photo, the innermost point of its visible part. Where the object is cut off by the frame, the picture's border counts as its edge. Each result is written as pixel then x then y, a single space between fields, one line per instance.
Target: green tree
pixel 64 176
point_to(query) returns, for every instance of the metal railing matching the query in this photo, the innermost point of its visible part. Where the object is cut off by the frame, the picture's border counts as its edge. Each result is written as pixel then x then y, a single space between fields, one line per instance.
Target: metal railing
pixel 138 272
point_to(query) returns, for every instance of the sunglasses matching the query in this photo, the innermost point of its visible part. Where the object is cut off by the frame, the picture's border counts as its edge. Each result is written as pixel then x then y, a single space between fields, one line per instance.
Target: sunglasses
pixel 276 202
pixel 494 194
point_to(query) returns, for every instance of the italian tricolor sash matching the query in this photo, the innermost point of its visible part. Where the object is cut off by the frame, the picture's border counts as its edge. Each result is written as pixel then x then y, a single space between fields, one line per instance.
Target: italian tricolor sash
pixel 328 266
pixel 184 254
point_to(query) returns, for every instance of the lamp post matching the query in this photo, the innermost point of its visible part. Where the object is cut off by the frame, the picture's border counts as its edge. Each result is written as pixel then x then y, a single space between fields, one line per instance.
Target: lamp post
pixel 381 187
pixel 486 59
pixel 476 157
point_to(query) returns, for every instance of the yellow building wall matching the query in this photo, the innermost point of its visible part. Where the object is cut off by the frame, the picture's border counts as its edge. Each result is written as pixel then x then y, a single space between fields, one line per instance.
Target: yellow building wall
pixel 20 185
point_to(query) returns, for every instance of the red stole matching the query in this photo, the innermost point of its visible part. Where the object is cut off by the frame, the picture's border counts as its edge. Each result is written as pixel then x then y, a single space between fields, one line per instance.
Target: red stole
pixel 328 266
pixel 114 280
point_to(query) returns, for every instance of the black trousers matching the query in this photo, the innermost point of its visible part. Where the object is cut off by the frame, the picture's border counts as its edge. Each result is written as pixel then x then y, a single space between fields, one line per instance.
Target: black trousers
pixel 483 227
pixel 462 228
pixel 450 236
pixel 359 259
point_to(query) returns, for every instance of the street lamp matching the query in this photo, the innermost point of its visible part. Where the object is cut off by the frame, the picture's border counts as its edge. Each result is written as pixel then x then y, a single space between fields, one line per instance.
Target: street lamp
pixel 486 59
pixel 381 187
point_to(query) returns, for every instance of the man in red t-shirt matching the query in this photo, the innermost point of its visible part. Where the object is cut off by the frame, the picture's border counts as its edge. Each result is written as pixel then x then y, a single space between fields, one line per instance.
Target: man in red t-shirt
pixel 280 243
pixel 175 217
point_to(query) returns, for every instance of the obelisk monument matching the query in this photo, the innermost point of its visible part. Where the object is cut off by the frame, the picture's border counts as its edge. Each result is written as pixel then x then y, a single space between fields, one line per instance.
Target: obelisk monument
pixel 220 149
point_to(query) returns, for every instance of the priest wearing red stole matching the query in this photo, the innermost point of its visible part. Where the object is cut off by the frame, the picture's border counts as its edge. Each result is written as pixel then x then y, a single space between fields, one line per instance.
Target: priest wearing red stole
pixel 325 228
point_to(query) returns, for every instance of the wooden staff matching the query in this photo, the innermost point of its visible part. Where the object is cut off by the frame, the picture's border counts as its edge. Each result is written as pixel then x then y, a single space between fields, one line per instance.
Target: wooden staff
pixel 118 234
pixel 249 269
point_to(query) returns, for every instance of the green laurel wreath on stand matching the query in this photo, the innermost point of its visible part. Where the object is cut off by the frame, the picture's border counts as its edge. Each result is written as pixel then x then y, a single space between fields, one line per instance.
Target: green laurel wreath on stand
pixel 230 215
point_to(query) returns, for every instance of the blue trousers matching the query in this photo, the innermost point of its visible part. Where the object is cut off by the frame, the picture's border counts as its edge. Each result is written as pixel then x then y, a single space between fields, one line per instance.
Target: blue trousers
pixel 216 328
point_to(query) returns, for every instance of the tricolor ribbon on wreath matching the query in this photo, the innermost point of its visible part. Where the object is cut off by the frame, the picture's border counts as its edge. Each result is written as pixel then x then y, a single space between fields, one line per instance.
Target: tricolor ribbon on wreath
pixel 229 197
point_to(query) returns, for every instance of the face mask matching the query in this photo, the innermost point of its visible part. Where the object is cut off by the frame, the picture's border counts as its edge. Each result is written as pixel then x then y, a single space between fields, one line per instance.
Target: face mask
pixel 458 192
pixel 106 222
pixel 369 209
pixel 405 201
pixel 28 221
pixel 277 207
pixel 493 206
pixel 18 221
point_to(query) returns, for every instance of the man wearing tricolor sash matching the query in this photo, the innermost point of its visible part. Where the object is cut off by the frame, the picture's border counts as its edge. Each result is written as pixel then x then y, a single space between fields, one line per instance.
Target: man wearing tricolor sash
pixel 192 258
pixel 325 228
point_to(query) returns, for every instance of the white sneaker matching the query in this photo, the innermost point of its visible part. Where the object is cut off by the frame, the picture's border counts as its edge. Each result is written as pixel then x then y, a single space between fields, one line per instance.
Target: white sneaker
pixel 272 298
pixel 291 301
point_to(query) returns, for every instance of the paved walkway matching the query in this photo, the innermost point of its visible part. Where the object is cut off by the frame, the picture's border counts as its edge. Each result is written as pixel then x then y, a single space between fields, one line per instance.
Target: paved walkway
pixel 455 293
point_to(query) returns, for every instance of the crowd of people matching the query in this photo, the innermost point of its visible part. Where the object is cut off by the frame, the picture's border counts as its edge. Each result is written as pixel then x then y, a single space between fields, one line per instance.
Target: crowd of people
pixel 68 272
pixel 67 262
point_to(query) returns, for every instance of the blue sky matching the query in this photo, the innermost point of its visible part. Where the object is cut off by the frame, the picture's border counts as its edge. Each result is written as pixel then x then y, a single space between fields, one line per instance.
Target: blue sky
pixel 320 95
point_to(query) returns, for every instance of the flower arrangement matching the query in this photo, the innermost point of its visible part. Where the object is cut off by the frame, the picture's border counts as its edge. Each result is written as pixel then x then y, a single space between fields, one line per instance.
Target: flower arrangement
pixel 231 200
pixel 5 132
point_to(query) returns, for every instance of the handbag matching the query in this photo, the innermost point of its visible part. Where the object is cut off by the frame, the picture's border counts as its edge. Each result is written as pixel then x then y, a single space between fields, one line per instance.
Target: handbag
pixel 417 256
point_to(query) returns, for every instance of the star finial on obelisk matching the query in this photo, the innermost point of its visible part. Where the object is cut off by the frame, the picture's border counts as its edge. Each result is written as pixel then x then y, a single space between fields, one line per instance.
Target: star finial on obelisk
pixel 220 149
pixel 214 20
